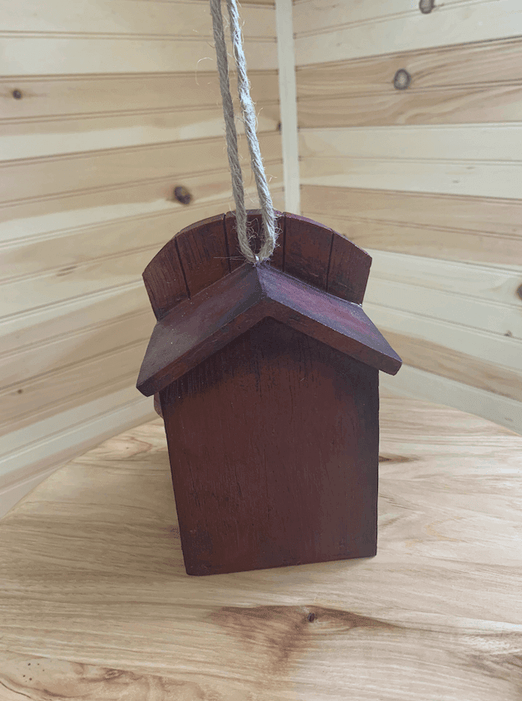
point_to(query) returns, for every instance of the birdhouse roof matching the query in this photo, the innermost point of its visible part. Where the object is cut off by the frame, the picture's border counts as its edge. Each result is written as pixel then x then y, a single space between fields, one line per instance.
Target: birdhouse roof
pixel 204 295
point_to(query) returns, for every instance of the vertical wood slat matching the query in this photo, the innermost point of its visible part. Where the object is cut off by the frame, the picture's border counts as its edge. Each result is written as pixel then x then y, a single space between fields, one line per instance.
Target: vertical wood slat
pixel 307 250
pixel 255 225
pixel 203 253
pixel 348 271
pixel 164 280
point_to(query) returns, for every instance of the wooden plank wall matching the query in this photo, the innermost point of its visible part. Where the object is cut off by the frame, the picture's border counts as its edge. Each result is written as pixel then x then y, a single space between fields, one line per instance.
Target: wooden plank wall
pixel 428 179
pixel 106 106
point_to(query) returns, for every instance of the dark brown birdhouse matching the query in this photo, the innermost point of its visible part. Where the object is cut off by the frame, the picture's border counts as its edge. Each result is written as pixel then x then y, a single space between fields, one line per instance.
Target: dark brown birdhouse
pixel 268 383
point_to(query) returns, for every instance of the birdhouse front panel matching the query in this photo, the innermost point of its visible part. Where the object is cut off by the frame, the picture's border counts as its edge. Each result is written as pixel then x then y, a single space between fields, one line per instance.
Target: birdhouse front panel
pixel 273 445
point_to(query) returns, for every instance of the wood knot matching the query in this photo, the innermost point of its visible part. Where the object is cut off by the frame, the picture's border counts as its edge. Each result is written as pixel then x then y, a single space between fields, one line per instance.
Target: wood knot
pixel 402 79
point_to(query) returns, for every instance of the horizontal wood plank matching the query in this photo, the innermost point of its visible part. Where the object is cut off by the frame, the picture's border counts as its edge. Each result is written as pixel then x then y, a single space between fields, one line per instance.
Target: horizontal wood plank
pixel 45 410
pixel 440 106
pixel 181 20
pixel 492 144
pixel 499 216
pixel 68 386
pixel 457 84
pixel 466 159
pixel 54 286
pixel 501 319
pixel 479 66
pixel 478 179
pixel 314 16
pixel 412 382
pixel 98 206
pixel 456 228
pixel 28 330
pixel 492 284
pixel 64 249
pixel 42 177
pixel 72 348
pixel 86 54
pixel 50 97
pixel 440 360
pixel 21 470
pixel 331 33
pixel 479 344
pixel 31 139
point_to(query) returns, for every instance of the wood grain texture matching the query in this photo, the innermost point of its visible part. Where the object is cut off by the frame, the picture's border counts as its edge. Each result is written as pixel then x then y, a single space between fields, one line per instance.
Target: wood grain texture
pixel 47 97
pixel 479 65
pixel 84 95
pixel 468 160
pixel 159 19
pixel 292 428
pixel 475 229
pixel 71 173
pixel 199 327
pixel 47 137
pixel 308 247
pixel 449 85
pixel 95 601
pixel 441 106
pixel 439 359
pixel 330 31
pixel 129 37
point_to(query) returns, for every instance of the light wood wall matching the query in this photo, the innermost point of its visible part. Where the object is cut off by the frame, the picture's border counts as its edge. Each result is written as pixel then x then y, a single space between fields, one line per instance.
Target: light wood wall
pixel 106 106
pixel 427 179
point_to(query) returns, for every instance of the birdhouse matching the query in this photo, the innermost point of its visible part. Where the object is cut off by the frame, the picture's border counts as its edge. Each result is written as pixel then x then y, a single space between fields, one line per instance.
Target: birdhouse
pixel 267 378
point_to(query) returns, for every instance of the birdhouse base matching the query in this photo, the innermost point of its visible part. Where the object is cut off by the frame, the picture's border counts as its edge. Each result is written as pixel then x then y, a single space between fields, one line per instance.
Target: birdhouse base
pixel 273 445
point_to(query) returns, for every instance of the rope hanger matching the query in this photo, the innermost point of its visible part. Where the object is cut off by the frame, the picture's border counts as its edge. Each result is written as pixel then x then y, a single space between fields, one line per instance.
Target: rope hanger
pixel 269 234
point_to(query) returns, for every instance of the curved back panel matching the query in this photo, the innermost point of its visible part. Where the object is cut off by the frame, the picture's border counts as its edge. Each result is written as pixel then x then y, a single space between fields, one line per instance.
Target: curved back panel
pixel 208 250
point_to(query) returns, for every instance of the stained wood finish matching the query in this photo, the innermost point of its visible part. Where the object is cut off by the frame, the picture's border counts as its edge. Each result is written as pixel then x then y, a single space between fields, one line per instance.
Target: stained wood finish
pixel 201 326
pixel 203 253
pixel 208 250
pixel 449 85
pixel 308 247
pixel 293 471
pixel 95 602
pixel 167 289
pixel 354 259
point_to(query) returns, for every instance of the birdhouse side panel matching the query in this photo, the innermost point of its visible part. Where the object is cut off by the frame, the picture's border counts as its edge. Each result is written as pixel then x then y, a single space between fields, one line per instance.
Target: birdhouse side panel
pixel 273 444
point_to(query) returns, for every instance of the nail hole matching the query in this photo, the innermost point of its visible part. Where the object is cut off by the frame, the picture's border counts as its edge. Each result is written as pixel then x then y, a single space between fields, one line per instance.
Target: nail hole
pixel 182 195
pixel 402 79
pixel 19 391
pixel 311 617
pixel 519 291
pixel 17 94
pixel 426 6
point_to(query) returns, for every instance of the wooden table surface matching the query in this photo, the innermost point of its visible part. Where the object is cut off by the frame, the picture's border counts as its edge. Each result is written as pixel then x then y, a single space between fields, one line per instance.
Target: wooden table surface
pixel 95 603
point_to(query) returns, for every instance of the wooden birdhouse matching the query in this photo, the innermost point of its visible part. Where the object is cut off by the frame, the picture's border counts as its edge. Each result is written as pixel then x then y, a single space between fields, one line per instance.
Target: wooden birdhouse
pixel 268 383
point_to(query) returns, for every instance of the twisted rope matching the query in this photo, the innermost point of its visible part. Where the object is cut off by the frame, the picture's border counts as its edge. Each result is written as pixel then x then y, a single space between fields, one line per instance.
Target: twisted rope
pixel 269 234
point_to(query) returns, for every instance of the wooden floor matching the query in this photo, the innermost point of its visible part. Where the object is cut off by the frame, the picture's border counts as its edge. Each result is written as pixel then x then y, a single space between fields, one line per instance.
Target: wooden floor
pixel 95 603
